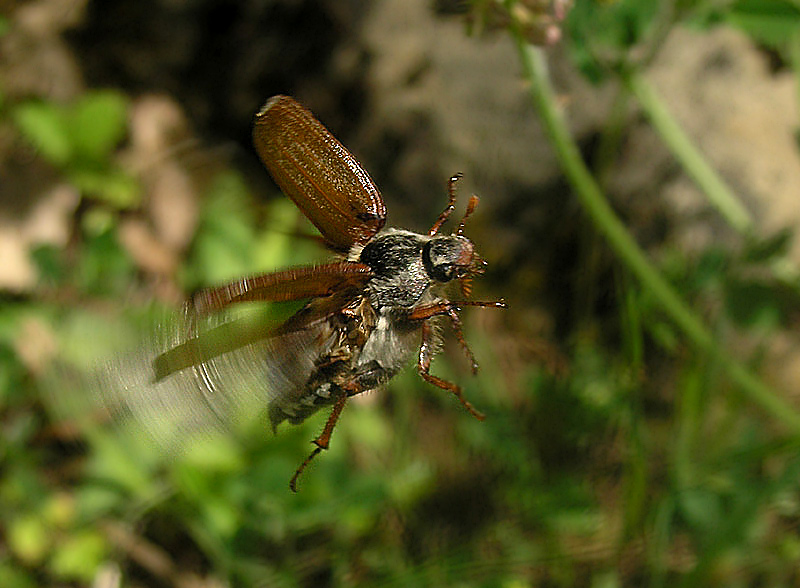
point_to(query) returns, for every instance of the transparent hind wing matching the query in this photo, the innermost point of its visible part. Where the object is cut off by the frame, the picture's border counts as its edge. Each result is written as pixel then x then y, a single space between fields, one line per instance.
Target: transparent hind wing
pixel 220 393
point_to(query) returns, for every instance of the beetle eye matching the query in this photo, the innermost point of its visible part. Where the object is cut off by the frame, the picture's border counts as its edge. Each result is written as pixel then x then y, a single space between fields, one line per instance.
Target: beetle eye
pixel 442 258
pixel 444 272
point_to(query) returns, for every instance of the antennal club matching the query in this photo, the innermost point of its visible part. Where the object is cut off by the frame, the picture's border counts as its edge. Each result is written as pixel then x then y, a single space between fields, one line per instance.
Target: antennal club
pixel 473 202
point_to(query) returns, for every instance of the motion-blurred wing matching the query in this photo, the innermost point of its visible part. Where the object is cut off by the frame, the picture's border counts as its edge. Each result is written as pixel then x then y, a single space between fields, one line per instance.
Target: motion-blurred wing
pixel 221 393
pixel 332 286
pixel 292 284
pixel 221 362
pixel 322 178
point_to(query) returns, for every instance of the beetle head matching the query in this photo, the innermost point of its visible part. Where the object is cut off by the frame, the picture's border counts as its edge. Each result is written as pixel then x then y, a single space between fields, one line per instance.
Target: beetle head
pixel 453 256
pixel 449 257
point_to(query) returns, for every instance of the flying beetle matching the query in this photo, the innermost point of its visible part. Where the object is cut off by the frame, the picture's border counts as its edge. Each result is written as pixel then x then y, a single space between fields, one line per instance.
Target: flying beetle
pixel 368 312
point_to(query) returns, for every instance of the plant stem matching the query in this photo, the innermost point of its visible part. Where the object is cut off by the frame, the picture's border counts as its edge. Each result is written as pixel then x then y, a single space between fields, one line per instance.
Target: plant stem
pixel 706 178
pixel 692 160
pixel 623 244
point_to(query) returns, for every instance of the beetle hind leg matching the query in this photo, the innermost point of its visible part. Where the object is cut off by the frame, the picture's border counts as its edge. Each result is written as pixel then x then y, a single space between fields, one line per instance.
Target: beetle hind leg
pixel 366 378
pixel 324 439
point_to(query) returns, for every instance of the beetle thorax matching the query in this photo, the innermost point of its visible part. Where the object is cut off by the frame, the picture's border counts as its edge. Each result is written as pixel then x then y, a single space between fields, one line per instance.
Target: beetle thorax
pixel 407 264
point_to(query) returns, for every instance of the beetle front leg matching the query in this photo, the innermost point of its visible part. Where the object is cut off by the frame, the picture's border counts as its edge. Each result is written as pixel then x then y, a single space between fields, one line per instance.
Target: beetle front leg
pixel 451 309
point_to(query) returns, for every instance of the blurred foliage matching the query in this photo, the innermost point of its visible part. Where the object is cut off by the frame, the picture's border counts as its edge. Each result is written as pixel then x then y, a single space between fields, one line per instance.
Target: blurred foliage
pixel 79 139
pixel 603 36
pixel 775 23
pixel 638 466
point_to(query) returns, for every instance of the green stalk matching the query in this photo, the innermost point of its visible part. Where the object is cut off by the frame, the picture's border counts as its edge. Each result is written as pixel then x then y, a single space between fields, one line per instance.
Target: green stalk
pixel 794 58
pixel 692 160
pixel 621 242
pixel 698 168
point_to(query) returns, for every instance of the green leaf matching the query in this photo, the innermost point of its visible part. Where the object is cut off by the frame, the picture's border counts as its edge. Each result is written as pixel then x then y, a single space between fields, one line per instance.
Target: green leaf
pixel 710 269
pixel 79 556
pixel 664 334
pixel 121 464
pixel 701 508
pixel 97 123
pixel 220 516
pixel 109 185
pixel 276 245
pixel 225 241
pixel 13 577
pixel 49 262
pixel 772 22
pixel 410 484
pixel 765 248
pixel 104 266
pixel 44 125
pixel 29 539
pixel 59 510
pixel 600 33
pixel 12 375
pixel 753 304
pixel 218 454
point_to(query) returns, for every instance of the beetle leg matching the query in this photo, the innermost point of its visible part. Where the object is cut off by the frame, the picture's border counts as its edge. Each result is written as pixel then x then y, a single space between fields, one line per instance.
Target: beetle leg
pixel 371 376
pixel 424 366
pixel 451 204
pixel 451 309
pixel 456 320
pixel 324 439
pixel 442 308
